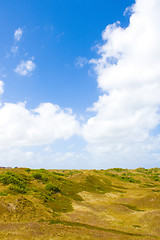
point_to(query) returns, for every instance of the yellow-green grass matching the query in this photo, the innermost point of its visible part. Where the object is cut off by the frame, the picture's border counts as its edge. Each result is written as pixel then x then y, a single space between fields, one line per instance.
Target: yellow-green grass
pixel 79 204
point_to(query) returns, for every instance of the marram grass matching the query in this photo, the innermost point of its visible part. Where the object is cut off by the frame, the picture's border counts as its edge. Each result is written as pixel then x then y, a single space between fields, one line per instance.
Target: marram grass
pixel 79 204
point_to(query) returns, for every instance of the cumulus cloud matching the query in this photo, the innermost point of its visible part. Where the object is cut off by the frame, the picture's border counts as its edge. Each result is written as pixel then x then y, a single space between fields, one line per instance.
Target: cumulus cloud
pixel 128 73
pixel 18 34
pixel 22 127
pixel 25 67
pixel 128 10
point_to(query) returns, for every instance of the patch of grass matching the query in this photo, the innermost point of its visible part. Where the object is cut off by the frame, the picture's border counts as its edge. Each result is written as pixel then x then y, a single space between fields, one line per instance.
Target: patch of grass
pixel 118 169
pixel 17 189
pixel 12 178
pixel 136 226
pixel 52 188
pixel 37 175
pixel 98 185
pixel 148 185
pixel 131 207
pixel 156 169
pixel 155 190
pixel 27 170
pixel 141 170
pixel 129 179
pixel 155 177
pixel 69 173
pixel 58 173
pixel 17 183
pixel 3 193
pixel 58 203
pixel 110 174
pixel 58 193
pixel 123 177
pixel 41 175
pixel 77 224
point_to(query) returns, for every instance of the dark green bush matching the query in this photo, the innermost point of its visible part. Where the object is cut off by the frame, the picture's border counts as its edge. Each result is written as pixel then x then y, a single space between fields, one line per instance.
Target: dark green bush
pixel 37 175
pixel 155 177
pixel 128 179
pixel 17 189
pixel 12 178
pixel 52 187
pixel 58 173
pixel 45 179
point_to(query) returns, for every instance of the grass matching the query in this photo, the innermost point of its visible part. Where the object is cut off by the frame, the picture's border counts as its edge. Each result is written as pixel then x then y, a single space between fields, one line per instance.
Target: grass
pixel 136 226
pixel 77 224
pixel 134 208
pixel 116 201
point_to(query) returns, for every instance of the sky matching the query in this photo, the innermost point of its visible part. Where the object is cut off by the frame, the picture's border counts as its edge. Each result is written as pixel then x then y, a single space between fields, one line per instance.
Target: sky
pixel 80 84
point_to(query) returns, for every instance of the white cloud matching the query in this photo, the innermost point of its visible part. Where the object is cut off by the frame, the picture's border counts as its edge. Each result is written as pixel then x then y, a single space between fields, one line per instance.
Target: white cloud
pixel 128 10
pixel 43 125
pixel 81 62
pixel 14 49
pixel 25 67
pixel 1 87
pixel 129 75
pixel 27 157
pixel 18 34
pixel 17 37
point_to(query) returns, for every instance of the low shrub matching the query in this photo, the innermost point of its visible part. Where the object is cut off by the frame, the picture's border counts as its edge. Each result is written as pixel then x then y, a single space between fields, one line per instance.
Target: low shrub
pixel 28 170
pixel 37 176
pixel 51 187
pixel 13 178
pixel 129 179
pixel 17 189
pixel 155 177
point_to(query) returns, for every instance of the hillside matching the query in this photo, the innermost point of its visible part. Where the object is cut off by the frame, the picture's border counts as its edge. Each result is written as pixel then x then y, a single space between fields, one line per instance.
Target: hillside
pixel 79 204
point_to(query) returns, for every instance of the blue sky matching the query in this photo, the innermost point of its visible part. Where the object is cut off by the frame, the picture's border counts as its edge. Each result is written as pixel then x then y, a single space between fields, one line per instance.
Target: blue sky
pixel 55 33
pixel 60 82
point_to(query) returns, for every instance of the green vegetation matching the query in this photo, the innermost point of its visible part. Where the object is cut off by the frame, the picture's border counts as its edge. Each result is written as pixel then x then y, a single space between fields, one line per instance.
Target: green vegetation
pixel 134 208
pixel 17 183
pixel 12 178
pixel 37 176
pixel 137 226
pixel 111 204
pixel 52 188
pixel 76 224
pixel 126 177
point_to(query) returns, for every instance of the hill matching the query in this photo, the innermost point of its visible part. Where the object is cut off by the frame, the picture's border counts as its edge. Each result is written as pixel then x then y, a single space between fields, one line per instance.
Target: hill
pixel 79 204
